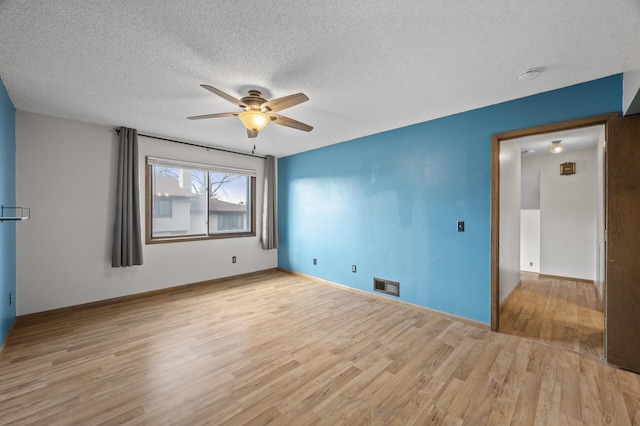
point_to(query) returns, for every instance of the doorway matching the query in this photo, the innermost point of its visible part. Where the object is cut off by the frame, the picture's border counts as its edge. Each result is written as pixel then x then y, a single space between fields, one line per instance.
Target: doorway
pixel 497 139
pixel 621 293
pixel 552 226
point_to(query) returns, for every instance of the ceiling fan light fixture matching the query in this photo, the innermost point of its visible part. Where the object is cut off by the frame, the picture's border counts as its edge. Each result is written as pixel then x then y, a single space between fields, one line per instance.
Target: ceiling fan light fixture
pixel 556 147
pixel 254 120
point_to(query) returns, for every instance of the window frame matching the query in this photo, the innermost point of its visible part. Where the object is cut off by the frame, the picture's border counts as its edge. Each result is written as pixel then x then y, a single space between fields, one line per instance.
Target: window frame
pixel 150 239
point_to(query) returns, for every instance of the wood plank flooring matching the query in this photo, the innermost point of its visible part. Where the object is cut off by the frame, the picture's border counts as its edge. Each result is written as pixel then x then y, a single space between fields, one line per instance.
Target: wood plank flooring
pixel 559 312
pixel 281 349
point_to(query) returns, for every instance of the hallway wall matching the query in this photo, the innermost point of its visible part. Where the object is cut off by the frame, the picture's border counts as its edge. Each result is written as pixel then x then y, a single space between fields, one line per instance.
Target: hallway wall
pixel 567 213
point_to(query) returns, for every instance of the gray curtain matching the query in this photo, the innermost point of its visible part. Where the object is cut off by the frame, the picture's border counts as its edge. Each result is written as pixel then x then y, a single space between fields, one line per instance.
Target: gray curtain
pixel 269 237
pixel 127 236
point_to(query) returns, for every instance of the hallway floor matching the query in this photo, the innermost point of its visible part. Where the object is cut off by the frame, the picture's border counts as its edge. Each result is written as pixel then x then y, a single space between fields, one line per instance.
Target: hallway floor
pixel 561 313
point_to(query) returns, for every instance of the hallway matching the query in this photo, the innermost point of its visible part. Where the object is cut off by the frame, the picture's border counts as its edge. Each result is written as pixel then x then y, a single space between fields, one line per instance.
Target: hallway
pixel 562 313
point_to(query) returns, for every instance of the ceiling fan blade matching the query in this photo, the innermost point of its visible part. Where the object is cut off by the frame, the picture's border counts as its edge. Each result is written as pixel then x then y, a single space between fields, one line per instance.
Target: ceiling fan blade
pixel 289 122
pixel 252 133
pixel 220 114
pixel 284 102
pixel 223 95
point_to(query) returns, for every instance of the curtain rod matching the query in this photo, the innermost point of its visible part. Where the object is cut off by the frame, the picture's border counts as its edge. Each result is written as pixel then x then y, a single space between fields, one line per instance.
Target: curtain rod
pixel 196 145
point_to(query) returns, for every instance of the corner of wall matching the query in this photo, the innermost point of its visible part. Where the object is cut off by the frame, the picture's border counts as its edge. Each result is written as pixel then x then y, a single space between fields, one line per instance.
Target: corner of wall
pixel 631 82
pixel 7 198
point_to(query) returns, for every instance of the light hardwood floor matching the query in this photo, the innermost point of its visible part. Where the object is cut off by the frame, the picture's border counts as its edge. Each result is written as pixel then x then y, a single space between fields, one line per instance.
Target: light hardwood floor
pixel 281 349
pixel 559 312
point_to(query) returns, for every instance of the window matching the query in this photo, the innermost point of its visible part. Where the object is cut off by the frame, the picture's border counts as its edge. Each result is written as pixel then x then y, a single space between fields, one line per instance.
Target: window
pixel 228 221
pixel 192 201
pixel 162 207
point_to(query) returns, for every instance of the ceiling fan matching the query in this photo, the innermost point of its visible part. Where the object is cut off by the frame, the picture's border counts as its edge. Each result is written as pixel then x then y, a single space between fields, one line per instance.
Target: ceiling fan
pixel 258 112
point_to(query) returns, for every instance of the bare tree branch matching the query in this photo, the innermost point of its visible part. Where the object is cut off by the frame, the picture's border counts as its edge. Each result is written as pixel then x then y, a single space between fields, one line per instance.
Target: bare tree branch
pixel 198 179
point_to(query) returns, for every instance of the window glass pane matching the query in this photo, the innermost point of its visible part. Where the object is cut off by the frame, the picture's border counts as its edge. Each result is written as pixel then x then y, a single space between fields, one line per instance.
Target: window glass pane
pixel 229 209
pixel 178 197
pixel 162 207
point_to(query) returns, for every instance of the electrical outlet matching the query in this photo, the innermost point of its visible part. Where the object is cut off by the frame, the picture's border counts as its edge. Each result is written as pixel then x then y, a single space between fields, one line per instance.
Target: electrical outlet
pixel 530 263
pixel 10 299
pixel 315 261
pixel 461 226
pixel 353 268
pixel 233 259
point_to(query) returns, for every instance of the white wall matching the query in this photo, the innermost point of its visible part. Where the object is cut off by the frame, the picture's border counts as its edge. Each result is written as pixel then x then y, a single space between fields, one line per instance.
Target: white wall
pixel 567 213
pixel 509 217
pixel 66 174
pixel 530 191
pixel 530 240
pixel 600 246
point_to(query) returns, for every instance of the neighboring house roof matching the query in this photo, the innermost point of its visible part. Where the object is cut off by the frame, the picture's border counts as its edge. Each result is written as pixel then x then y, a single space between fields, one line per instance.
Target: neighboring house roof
pixel 216 205
pixel 168 186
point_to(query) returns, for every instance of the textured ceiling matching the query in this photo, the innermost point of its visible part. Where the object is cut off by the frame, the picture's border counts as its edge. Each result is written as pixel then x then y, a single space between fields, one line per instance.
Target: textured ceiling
pixel 367 66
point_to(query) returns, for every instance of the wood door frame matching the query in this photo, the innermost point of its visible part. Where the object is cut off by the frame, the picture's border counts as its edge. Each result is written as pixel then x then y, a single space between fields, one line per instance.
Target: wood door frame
pixel 495 192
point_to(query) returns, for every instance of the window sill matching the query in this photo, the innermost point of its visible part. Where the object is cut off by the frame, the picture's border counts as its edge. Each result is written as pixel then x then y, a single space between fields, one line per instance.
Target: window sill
pixel 162 240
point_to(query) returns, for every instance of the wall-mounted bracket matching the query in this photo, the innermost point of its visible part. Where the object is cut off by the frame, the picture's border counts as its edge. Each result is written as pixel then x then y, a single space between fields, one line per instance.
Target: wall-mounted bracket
pixel 14 213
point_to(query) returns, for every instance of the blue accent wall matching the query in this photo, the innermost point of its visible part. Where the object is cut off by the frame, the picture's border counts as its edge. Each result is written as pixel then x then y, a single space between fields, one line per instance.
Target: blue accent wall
pixel 389 202
pixel 7 198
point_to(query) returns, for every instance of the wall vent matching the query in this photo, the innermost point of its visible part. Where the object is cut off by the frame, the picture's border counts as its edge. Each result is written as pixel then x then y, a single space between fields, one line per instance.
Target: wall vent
pixel 386 286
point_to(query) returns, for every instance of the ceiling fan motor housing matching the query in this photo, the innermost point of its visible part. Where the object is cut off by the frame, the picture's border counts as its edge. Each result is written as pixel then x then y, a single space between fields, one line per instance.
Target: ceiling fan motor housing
pixel 254 100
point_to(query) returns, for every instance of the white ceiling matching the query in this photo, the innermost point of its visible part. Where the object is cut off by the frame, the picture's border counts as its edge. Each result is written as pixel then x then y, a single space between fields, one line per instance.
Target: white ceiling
pixel 572 140
pixel 367 66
